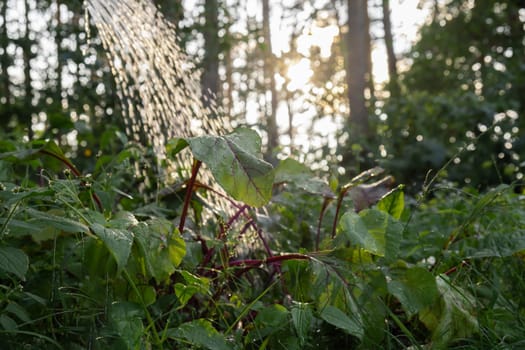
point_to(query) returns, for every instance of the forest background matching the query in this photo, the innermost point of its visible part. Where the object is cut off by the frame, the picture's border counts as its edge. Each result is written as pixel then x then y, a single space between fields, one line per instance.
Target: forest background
pixel 442 251
pixel 56 82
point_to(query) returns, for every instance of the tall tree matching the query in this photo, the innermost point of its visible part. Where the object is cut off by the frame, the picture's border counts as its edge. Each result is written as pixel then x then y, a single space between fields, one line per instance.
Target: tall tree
pixel 357 67
pixel 4 60
pixel 389 44
pixel 269 79
pixel 210 63
pixel 27 55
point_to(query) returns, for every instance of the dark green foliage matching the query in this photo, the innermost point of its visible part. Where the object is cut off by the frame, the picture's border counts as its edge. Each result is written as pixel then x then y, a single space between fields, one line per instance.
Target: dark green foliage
pixel 461 99
pixel 446 273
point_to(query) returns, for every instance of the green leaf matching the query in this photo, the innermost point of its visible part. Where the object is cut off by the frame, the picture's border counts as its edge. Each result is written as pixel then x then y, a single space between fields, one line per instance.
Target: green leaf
pixel 415 288
pixel 161 246
pixel 15 261
pixel 274 316
pixel 393 203
pixel 194 285
pixel 236 164
pixel 339 319
pixel 117 241
pixel 59 222
pixel 126 319
pixel 200 333
pixel 372 230
pixel 175 145
pixel 298 174
pixel 302 318
pixel 7 323
pixel 452 316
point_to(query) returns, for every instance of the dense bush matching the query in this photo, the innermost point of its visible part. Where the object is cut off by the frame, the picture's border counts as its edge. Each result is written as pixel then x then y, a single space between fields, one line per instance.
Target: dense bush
pixel 278 260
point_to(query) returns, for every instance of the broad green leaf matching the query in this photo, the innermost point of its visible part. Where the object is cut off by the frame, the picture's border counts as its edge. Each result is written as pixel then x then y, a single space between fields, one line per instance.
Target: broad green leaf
pixel 270 320
pixel 59 222
pixel 126 319
pixel 14 260
pixel 117 241
pixel 393 203
pixel 161 247
pixel 199 333
pixel 18 311
pixel 193 285
pixel 148 295
pixel 452 316
pixel 415 288
pixel 339 319
pixel 355 230
pixel 7 323
pixel 176 145
pixel 236 164
pixel 302 318
pixel 273 316
pixel 184 293
pixel 123 220
pixel 372 230
pixel 294 172
pixel 23 154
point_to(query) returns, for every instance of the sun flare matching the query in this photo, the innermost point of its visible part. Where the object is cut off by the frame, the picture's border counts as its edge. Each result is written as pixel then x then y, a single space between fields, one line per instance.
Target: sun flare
pixel 299 75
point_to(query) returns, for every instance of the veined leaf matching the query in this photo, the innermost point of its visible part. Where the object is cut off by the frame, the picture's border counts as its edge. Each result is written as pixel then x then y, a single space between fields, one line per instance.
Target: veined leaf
pixel 372 230
pixel 200 333
pixel 452 316
pixel 161 246
pixel 393 203
pixel 339 319
pixel 14 260
pixel 302 318
pixel 59 222
pixel 126 320
pixel 117 241
pixel 193 285
pixel 415 288
pixel 236 164
pixel 291 171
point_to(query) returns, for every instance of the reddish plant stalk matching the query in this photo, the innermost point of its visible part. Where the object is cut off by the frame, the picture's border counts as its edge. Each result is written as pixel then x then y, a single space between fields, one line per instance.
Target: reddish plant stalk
pixel 271 260
pixel 321 216
pixel 342 195
pixel 189 192
pixel 75 171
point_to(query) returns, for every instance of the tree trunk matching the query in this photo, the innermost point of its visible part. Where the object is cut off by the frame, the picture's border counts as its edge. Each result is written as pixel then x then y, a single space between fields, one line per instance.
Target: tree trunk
pixel 228 66
pixel 4 39
pixel 58 40
pixel 271 93
pixel 389 43
pixel 28 91
pixel 358 34
pixel 210 75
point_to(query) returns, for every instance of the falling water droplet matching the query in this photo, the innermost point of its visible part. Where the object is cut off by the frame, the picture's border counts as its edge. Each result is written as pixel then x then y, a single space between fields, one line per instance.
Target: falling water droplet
pixel 158 86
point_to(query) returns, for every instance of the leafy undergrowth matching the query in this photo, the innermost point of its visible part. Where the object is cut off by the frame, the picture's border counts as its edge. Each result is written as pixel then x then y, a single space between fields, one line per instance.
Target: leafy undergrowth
pixel 284 262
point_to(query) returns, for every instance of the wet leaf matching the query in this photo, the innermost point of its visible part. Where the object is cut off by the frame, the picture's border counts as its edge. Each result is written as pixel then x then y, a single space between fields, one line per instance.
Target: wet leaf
pixel 161 246
pixel 236 164
pixel 126 320
pixel 117 241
